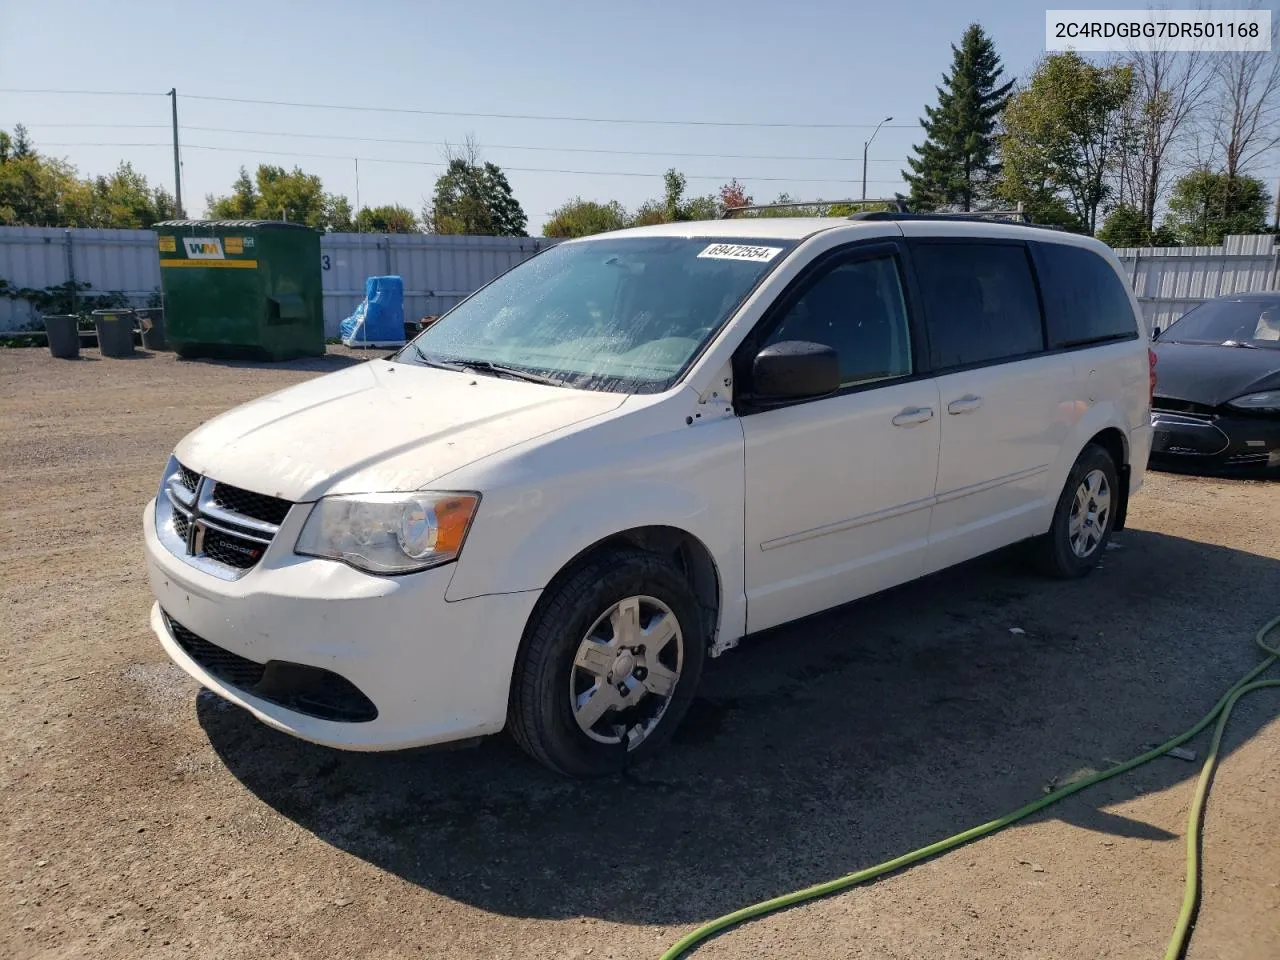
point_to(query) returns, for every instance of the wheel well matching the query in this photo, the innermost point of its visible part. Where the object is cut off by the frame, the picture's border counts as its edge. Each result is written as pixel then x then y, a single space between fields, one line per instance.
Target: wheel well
pixel 1117 445
pixel 688 553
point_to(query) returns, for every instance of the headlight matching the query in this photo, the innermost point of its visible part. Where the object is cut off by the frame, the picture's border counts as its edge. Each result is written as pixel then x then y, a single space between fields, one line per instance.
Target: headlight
pixel 389 533
pixel 1266 401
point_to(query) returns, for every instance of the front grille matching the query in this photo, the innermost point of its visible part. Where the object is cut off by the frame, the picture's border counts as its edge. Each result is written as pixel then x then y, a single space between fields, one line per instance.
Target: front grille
pixel 226 666
pixel 233 551
pixel 257 506
pixel 1199 410
pixel 188 478
pixel 311 690
pixel 223 529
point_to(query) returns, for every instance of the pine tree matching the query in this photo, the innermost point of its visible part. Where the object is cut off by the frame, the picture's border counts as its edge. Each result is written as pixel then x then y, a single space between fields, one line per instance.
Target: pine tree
pixel 956 165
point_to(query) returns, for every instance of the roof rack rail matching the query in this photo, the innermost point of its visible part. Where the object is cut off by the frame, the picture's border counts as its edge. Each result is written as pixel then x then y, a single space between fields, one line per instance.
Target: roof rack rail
pixel 1016 215
pixel 898 202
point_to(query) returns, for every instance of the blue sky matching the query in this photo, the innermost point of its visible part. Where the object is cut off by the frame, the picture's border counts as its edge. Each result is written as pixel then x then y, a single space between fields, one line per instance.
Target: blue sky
pixel 800 61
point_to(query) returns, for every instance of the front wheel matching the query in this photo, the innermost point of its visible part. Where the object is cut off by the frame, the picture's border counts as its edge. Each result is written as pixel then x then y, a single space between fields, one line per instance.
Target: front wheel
pixel 1083 519
pixel 609 664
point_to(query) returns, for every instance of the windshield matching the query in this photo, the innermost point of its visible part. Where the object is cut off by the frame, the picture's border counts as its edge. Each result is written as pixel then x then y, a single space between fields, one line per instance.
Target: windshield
pixel 1256 322
pixel 625 314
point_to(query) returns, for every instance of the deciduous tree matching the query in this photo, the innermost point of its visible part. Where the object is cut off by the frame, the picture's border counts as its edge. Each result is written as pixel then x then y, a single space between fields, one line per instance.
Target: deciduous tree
pixel 1062 137
pixel 1207 206
pixel 582 218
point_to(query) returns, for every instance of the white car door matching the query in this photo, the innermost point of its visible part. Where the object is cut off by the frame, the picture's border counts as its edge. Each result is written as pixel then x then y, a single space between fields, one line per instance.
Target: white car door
pixel 839 489
pixel 1006 405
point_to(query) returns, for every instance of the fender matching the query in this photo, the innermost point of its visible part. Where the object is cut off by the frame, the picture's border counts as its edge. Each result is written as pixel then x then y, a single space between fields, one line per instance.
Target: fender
pixel 689 479
pixel 1096 418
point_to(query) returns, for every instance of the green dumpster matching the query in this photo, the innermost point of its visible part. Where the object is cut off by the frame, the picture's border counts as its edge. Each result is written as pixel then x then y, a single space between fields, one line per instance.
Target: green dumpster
pixel 241 289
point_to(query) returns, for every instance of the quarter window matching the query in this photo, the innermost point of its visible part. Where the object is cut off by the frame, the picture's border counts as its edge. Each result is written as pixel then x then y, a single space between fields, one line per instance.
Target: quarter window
pixel 980 300
pixel 857 309
pixel 1084 301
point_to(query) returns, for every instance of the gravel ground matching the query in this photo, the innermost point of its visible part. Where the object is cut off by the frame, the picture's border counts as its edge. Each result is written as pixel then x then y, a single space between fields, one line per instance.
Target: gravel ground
pixel 142 817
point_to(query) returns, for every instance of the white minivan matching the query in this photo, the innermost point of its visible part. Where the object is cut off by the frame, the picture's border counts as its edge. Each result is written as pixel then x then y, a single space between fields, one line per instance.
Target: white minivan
pixel 619 458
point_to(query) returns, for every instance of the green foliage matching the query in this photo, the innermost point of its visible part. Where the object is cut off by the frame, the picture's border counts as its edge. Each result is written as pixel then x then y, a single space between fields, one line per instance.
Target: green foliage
pixel 673 207
pixel 476 199
pixel 275 193
pixel 387 219
pixel 38 191
pixel 582 218
pixel 126 200
pixel 1207 206
pixel 337 212
pixel 956 165
pixel 64 298
pixel 1126 226
pixel 1063 135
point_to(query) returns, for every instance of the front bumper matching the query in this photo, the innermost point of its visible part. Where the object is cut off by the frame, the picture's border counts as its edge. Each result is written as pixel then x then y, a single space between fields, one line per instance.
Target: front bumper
pixel 1208 443
pixel 434 670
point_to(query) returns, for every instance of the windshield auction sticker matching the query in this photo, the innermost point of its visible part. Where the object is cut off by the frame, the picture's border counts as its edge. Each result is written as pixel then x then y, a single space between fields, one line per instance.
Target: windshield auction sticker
pixel 740 251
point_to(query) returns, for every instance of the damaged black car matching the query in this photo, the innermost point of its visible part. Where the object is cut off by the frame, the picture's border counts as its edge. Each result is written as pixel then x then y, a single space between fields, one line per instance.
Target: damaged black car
pixel 1216 406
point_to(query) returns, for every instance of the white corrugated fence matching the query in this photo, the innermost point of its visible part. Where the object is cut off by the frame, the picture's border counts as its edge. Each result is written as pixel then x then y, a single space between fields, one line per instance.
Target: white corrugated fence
pixel 1169 281
pixel 438 271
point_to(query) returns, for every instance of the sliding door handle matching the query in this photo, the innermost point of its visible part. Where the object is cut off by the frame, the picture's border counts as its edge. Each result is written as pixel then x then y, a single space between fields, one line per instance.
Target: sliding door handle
pixel 913 416
pixel 966 404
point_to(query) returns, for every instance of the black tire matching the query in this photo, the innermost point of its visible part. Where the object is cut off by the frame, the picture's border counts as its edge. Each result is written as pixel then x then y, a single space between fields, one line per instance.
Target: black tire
pixel 540 713
pixel 1053 552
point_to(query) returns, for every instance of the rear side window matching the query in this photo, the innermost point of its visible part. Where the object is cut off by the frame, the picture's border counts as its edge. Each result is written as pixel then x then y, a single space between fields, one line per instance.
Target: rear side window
pixel 980 301
pixel 1084 301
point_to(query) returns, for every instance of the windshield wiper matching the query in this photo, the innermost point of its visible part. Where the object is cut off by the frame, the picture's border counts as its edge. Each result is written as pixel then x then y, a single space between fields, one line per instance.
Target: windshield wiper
pixel 1239 343
pixel 515 373
pixel 437 362
pixel 485 366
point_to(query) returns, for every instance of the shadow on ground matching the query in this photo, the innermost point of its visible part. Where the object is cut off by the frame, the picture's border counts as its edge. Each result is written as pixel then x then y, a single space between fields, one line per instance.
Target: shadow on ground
pixel 821 748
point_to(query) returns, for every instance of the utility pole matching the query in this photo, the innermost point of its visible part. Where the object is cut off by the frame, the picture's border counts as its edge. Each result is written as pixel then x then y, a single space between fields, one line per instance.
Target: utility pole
pixel 1275 224
pixel 177 164
pixel 357 161
pixel 866 145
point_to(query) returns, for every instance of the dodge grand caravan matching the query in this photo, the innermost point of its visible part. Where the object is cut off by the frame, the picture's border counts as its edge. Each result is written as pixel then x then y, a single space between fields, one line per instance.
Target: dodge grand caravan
pixel 617 459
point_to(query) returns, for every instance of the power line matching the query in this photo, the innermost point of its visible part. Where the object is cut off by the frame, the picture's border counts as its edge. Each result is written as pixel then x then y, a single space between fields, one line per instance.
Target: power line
pixel 93 126
pixel 536 116
pixel 464 113
pixel 88 93
pixel 519 146
pixel 430 163
pixel 490 146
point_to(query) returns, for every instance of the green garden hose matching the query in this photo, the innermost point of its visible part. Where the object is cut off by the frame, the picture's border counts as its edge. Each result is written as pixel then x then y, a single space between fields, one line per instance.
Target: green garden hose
pixel 1182 929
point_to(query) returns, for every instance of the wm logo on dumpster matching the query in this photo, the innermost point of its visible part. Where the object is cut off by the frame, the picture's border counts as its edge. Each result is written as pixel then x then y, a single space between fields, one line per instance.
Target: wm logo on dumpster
pixel 203 248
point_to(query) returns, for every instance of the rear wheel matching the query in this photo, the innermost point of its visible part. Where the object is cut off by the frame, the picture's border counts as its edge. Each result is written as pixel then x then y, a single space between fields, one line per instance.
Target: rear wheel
pixel 609 664
pixel 1083 519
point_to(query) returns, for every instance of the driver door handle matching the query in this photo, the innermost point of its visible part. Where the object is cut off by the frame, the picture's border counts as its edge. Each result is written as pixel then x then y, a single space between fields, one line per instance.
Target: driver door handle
pixel 912 416
pixel 966 404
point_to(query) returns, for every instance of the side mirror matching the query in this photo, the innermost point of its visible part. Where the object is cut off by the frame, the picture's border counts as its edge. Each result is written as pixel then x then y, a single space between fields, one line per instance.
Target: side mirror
pixel 1155 333
pixel 795 370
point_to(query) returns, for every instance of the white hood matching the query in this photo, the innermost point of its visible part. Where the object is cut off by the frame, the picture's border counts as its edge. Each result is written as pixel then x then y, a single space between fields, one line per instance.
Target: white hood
pixel 378 426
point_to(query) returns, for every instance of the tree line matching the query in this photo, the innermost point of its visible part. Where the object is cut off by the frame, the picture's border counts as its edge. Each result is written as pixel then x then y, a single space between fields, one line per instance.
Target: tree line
pixel 1150 149
pixel 1156 148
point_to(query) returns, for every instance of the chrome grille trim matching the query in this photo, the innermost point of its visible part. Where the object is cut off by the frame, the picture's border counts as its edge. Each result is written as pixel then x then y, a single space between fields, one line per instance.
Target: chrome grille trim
pixel 185 514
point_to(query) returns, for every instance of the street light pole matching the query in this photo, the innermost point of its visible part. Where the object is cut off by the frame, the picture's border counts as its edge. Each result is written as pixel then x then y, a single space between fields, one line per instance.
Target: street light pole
pixel 866 144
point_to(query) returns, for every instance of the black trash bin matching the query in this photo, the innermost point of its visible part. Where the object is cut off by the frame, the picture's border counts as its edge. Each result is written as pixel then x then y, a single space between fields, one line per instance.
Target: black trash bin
pixel 151 319
pixel 115 332
pixel 63 332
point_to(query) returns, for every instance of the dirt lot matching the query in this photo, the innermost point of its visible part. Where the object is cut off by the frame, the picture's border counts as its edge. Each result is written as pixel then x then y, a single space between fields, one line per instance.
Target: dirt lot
pixel 142 817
